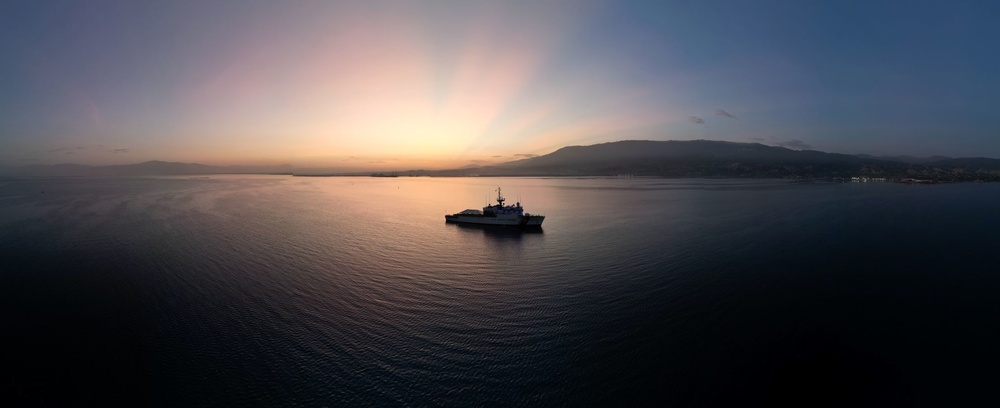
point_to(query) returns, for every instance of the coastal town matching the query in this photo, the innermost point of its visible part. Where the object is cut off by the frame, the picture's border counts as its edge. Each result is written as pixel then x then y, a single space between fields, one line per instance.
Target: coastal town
pixel 907 180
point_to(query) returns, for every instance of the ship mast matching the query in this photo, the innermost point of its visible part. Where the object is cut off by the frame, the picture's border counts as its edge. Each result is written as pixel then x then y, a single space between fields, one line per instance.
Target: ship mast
pixel 499 197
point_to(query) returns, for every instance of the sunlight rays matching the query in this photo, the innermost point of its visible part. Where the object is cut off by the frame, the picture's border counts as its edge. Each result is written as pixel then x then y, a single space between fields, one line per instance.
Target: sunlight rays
pixel 392 84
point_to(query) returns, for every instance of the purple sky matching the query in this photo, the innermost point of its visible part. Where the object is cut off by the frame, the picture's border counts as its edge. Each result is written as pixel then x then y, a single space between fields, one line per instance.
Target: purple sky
pixel 444 83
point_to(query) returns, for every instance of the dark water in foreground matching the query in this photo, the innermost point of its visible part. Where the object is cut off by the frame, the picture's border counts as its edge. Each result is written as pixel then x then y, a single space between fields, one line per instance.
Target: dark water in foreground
pixel 280 291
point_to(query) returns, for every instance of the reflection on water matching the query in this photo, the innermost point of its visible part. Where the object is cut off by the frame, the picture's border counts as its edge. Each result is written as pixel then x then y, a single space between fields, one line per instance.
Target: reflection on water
pixel 266 291
pixel 498 232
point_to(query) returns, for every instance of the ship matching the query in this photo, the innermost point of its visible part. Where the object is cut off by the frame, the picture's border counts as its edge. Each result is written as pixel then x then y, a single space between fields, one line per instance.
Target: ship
pixel 497 214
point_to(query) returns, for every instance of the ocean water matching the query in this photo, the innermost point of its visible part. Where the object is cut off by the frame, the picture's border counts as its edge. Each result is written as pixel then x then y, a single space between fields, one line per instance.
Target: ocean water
pixel 352 291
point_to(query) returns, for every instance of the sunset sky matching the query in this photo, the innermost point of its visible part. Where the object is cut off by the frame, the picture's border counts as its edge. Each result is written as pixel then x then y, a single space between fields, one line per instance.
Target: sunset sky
pixel 432 84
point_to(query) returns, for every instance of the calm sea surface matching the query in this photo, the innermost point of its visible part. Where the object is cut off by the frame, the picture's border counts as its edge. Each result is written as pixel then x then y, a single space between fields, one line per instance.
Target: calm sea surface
pixel 288 291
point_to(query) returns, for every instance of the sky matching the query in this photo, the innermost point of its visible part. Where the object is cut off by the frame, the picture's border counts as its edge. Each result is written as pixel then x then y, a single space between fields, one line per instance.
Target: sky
pixel 442 84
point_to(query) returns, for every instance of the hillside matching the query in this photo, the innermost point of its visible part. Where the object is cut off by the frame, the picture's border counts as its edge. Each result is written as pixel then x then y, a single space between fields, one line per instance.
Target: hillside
pixel 704 158
pixel 676 159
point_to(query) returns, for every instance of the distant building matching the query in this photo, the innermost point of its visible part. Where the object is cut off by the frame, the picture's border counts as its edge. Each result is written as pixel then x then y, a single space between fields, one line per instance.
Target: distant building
pixel 867 179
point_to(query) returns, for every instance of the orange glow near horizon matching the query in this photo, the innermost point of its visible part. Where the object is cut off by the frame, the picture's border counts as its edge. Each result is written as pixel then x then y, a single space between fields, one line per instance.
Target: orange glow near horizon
pixel 439 84
pixel 381 87
pixel 386 88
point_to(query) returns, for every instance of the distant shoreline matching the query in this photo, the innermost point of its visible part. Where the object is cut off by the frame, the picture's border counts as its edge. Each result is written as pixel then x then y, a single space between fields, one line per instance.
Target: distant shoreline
pixel 623 159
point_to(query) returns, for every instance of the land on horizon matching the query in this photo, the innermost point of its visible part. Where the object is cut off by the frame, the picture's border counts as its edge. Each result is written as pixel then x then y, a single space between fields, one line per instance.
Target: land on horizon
pixel 380 86
pixel 673 159
pixel 252 203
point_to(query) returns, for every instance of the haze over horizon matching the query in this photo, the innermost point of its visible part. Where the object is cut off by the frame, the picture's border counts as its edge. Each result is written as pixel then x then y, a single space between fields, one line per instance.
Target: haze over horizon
pixel 433 84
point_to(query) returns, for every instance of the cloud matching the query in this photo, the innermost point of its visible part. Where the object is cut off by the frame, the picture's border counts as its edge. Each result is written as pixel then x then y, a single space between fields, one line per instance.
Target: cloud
pixel 118 150
pixel 794 144
pixel 498 155
pixel 720 112
pixel 68 152
pixel 695 119
pixel 64 150
pixel 526 155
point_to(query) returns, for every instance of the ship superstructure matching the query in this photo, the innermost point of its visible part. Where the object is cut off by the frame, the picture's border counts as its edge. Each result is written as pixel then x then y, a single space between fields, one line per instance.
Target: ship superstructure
pixel 498 214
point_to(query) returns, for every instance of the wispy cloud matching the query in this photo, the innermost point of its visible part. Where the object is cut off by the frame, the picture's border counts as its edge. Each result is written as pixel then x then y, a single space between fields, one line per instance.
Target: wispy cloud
pixel 65 150
pixel 119 150
pixel 723 113
pixel 526 155
pixel 497 155
pixel 697 120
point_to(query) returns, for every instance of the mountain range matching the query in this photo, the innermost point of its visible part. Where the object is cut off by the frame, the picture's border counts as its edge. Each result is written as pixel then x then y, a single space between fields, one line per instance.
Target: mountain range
pixel 706 158
pixel 679 159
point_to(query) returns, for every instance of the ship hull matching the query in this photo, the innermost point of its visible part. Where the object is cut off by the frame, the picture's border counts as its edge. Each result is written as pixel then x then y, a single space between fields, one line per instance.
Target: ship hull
pixel 522 221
